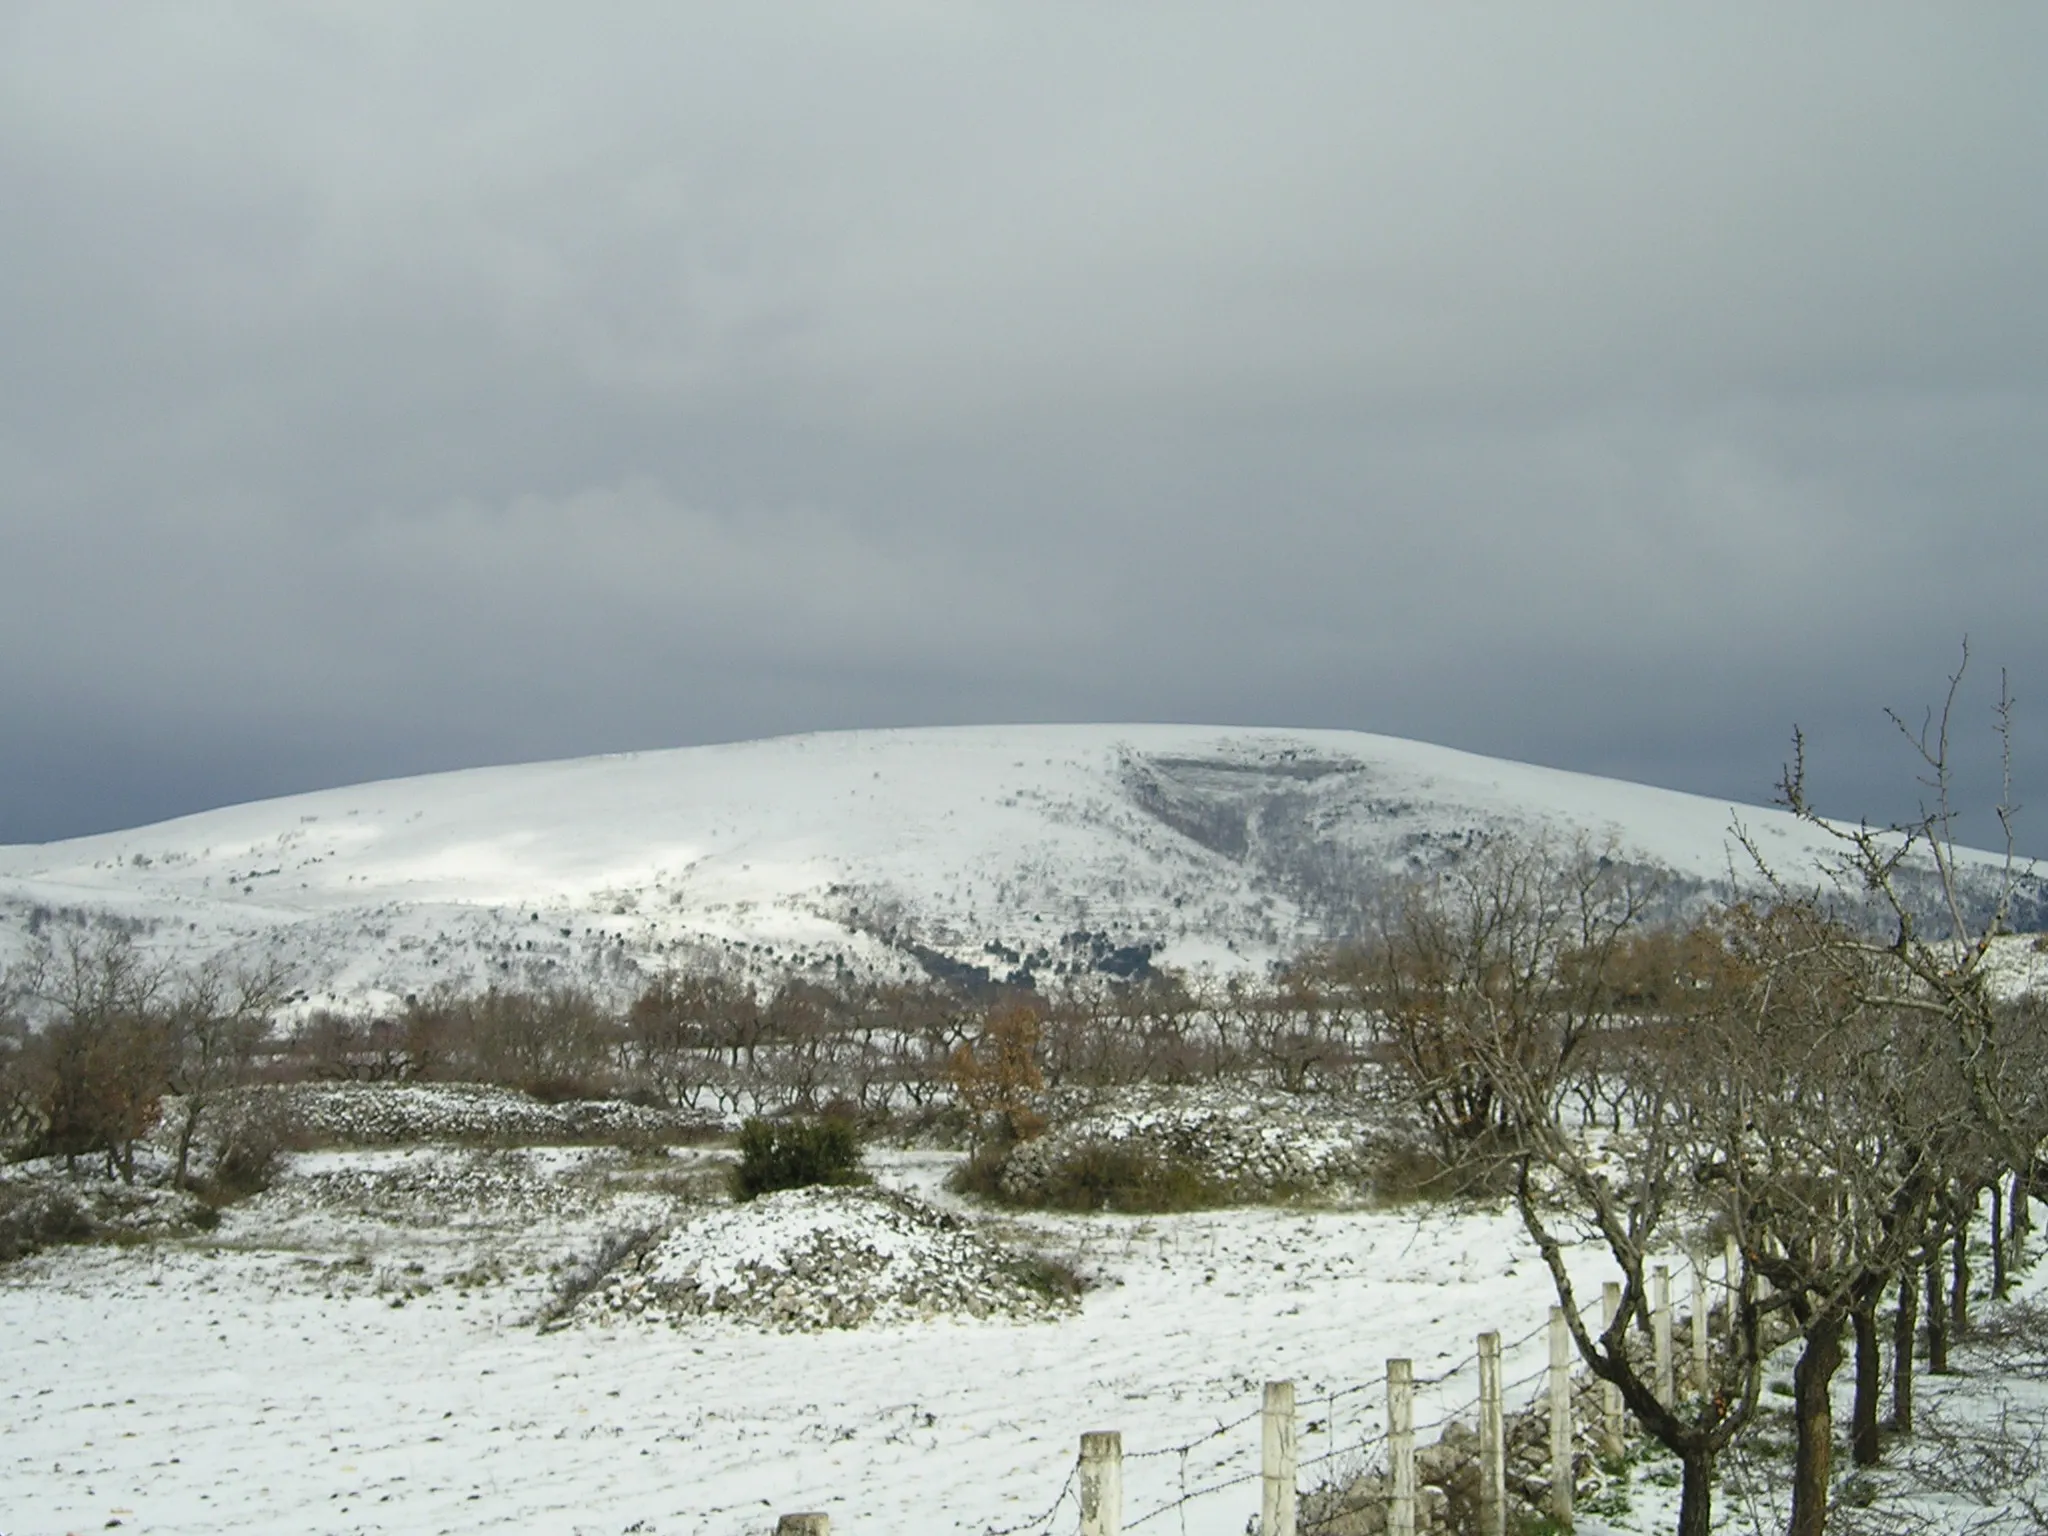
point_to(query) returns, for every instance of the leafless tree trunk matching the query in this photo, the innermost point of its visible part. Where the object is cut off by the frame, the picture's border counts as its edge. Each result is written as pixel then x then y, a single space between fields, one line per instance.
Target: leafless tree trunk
pixel 1814 1424
pixel 1905 1323
pixel 1999 1286
pixel 1937 1310
pixel 1863 1437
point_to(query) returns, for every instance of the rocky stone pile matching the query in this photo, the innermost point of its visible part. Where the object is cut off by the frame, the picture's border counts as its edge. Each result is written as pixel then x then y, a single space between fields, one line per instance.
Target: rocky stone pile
pixel 396 1114
pixel 428 1187
pixel 824 1258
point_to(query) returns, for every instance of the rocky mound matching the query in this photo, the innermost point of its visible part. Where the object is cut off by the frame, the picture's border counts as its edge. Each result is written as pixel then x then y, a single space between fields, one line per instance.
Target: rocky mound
pixel 825 1258
pixel 1252 1146
pixel 396 1114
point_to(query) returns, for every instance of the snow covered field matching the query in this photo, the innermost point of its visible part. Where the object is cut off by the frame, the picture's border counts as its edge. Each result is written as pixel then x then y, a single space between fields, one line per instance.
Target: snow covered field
pixel 342 1357
pixel 356 1350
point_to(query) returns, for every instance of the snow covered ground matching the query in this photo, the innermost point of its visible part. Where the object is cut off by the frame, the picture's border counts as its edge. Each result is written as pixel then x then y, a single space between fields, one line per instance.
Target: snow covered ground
pixel 356 1351
pixel 1010 848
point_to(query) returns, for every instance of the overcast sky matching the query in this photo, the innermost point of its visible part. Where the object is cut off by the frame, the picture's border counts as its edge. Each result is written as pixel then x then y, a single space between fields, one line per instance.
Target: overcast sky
pixel 393 388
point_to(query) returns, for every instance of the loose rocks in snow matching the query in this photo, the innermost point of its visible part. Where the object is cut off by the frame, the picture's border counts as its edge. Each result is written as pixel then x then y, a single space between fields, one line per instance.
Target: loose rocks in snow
pixel 823 1258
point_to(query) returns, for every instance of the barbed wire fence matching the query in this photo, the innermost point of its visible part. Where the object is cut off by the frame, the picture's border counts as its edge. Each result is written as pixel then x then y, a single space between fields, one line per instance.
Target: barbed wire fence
pixel 1481 1442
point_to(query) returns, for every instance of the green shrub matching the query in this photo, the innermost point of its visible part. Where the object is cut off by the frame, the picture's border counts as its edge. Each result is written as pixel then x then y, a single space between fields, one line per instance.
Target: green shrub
pixel 1116 1176
pixel 1101 1176
pixel 1407 1173
pixel 793 1154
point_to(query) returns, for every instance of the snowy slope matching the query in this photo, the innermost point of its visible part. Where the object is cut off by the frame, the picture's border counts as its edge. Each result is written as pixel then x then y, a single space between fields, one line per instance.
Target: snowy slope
pixel 1032 846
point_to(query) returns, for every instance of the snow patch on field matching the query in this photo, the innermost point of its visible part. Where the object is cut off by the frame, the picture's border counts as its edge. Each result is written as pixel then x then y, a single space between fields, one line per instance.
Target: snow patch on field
pixel 354 1352
pixel 361 1358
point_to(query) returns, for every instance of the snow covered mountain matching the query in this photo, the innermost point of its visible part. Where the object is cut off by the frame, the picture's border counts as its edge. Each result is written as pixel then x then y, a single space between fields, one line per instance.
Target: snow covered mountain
pixel 1010 848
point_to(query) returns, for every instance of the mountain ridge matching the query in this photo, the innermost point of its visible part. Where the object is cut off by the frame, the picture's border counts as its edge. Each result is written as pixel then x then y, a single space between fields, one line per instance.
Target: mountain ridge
pixel 997 849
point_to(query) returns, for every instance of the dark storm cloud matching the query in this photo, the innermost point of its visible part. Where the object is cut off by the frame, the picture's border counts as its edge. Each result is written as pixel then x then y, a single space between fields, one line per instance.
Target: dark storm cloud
pixel 389 389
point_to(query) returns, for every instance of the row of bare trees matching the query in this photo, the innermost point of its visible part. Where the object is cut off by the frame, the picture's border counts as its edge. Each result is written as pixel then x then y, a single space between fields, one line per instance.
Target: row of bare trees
pixel 702 1038
pixel 1821 1074
pixel 117 1032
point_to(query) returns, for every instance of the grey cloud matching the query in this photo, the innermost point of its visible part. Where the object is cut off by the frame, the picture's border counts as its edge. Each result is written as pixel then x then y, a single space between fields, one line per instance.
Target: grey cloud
pixel 390 389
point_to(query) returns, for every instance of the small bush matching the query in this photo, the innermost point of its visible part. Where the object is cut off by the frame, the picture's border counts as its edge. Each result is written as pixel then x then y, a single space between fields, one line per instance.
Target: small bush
pixel 34 1217
pixel 1054 1279
pixel 244 1168
pixel 253 1142
pixel 794 1154
pixel 1112 1176
pixel 1412 1172
pixel 1101 1176
pixel 577 1281
pixel 981 1176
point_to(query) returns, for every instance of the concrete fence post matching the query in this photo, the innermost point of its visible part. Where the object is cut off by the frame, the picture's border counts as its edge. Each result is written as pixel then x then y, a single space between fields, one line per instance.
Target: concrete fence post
pixel 1731 1282
pixel 1611 1426
pixel 1660 1333
pixel 804 1525
pixel 1493 1441
pixel 1401 1448
pixel 1276 1461
pixel 1700 1384
pixel 1560 1419
pixel 1102 1483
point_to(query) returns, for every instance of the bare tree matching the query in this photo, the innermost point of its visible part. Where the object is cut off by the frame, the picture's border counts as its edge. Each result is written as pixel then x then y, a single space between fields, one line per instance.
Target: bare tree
pixel 99 1065
pixel 1494 973
pixel 218 1017
pixel 1772 1089
pixel 1832 1118
pixel 1940 925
